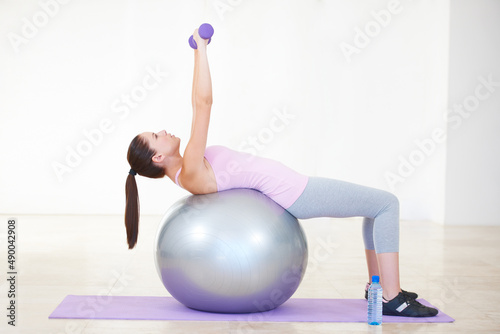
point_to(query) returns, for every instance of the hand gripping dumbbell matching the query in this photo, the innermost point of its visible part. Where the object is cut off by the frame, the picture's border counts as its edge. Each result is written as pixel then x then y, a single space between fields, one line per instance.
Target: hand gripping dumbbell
pixel 205 31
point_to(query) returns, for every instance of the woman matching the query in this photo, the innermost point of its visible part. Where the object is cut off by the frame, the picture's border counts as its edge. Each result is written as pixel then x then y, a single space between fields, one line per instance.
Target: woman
pixel 205 170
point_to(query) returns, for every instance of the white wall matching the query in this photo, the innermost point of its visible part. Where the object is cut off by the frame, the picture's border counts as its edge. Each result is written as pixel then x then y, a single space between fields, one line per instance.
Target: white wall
pixel 367 117
pixel 473 148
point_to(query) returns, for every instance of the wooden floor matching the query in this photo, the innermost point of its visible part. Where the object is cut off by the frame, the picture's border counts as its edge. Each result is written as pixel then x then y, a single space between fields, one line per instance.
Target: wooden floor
pixel 455 268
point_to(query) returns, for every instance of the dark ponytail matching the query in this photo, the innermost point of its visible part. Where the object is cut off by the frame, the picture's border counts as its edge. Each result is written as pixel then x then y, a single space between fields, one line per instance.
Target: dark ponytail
pixel 131 210
pixel 140 159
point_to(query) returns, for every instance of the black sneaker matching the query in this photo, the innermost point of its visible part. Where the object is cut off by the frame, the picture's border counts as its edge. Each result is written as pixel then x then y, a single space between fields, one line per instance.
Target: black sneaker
pixel 404 306
pixel 412 295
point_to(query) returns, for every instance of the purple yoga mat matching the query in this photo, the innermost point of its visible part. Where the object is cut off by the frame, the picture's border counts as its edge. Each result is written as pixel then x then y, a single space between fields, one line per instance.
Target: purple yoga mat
pixel 167 308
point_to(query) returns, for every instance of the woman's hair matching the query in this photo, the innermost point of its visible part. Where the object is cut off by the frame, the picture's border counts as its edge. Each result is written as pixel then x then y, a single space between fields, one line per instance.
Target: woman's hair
pixel 139 157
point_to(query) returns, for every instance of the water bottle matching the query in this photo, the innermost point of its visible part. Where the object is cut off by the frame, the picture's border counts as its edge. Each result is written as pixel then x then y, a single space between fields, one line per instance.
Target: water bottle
pixel 375 302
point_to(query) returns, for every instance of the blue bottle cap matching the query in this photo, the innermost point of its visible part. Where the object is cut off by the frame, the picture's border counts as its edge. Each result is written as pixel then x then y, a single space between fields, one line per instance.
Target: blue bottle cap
pixel 375 279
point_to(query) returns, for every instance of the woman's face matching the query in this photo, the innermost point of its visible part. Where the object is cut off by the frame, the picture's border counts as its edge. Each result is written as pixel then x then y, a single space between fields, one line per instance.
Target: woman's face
pixel 162 142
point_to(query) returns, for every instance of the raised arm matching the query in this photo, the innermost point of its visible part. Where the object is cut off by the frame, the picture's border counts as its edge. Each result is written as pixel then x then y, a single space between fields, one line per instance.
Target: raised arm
pixel 202 105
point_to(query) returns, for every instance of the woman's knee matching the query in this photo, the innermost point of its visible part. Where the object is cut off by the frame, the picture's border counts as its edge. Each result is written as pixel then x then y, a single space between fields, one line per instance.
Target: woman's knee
pixel 392 200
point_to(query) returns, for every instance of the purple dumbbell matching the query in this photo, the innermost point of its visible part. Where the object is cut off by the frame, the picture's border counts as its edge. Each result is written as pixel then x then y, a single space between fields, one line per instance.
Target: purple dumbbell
pixel 205 31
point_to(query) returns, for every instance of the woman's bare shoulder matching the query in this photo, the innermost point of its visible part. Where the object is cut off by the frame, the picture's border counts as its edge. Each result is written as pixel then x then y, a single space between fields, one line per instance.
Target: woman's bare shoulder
pixel 199 180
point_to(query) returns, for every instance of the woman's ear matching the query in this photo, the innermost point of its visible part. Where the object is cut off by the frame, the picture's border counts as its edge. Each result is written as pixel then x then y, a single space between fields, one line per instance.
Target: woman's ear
pixel 158 158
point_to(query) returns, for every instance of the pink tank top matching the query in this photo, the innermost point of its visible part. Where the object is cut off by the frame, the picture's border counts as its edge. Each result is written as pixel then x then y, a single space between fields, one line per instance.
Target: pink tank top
pixel 242 170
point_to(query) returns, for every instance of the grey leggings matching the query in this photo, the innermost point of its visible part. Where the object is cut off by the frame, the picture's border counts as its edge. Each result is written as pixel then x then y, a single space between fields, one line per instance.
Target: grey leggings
pixel 324 197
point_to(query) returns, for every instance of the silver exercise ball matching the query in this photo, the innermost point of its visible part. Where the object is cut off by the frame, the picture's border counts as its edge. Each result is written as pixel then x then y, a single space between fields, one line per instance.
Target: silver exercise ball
pixel 234 251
